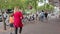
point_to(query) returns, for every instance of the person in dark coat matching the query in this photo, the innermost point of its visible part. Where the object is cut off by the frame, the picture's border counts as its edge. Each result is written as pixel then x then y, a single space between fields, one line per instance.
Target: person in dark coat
pixel 46 14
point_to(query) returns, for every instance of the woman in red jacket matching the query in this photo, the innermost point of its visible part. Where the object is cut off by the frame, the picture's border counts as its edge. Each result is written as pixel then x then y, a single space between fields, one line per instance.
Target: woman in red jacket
pixel 18 16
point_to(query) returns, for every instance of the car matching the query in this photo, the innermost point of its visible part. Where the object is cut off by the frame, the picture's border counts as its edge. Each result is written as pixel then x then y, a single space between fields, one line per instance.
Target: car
pixel 0 18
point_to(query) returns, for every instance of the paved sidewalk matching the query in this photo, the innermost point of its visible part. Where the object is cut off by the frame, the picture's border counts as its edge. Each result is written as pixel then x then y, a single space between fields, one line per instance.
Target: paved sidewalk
pixel 51 27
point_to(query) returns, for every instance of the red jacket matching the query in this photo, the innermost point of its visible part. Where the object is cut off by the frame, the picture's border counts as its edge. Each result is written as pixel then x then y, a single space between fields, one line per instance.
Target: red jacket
pixel 18 16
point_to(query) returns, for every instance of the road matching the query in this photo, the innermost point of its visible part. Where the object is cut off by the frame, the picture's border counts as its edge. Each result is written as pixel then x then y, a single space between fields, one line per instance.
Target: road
pixel 47 27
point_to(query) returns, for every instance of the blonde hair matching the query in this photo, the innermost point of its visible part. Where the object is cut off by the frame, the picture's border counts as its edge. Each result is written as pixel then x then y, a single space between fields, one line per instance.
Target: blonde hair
pixel 16 9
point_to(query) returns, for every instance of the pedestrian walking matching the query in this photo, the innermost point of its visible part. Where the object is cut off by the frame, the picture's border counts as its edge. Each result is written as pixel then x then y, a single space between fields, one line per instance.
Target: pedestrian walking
pixel 5 17
pixel 46 14
pixel 37 15
pixel 41 16
pixel 18 16
pixel 11 21
pixel 33 17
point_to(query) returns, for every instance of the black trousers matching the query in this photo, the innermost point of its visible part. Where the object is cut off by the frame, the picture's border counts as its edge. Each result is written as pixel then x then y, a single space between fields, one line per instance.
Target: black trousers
pixel 16 30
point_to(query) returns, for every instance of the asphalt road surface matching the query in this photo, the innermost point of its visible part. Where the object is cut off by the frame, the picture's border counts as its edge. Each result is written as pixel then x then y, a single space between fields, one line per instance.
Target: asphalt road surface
pixel 48 27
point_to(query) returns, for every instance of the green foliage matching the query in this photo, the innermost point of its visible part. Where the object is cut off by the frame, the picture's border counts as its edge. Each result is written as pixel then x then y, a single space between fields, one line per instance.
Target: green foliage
pixel 11 3
pixel 30 11
pixel 46 7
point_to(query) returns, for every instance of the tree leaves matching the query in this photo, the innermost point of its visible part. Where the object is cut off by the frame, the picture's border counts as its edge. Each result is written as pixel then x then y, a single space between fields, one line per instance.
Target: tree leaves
pixel 12 3
pixel 46 7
